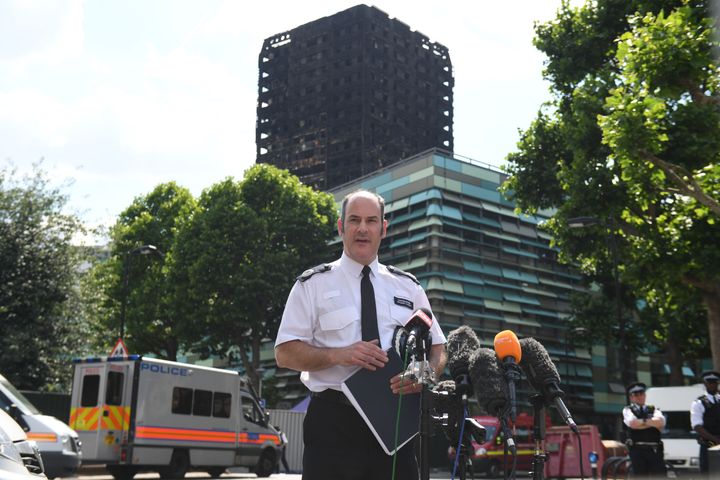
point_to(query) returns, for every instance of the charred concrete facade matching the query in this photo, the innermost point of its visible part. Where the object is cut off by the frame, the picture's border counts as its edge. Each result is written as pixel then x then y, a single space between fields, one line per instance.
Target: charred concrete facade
pixel 347 94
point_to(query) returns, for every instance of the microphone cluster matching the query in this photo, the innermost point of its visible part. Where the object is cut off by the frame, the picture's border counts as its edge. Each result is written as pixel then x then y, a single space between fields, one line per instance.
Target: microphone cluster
pixel 493 375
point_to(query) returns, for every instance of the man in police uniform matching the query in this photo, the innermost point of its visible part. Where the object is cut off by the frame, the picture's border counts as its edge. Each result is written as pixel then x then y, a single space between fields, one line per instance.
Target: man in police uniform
pixel 321 335
pixel 643 424
pixel 705 416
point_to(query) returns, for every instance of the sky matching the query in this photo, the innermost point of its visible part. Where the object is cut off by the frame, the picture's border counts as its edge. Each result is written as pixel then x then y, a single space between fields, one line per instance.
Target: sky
pixel 117 96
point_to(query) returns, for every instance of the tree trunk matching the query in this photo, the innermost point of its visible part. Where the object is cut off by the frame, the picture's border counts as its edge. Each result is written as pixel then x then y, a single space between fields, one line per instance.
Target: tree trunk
pixel 675 360
pixel 711 299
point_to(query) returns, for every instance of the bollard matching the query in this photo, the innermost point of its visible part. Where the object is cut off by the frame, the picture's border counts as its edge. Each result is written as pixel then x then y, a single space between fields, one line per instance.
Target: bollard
pixel 593 457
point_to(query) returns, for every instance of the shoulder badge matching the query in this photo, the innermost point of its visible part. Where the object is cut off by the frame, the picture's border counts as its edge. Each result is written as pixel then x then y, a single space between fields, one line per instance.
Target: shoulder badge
pixel 403 273
pixel 325 267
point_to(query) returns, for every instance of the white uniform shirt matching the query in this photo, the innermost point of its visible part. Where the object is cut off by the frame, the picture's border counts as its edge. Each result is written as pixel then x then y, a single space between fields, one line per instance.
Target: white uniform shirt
pixel 324 311
pixel 629 416
pixel 697 409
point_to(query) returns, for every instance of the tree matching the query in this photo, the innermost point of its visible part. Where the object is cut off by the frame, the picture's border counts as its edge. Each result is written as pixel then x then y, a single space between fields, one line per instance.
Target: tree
pixel 241 254
pixel 152 322
pixel 39 275
pixel 632 138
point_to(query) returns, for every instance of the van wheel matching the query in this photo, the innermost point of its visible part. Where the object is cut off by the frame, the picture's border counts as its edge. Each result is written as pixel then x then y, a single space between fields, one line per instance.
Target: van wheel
pixel 216 471
pixel 266 465
pixel 493 470
pixel 179 464
pixel 121 472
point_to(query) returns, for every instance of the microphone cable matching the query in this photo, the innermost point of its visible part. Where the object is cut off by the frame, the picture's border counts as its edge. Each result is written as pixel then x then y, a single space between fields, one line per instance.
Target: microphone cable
pixel 397 417
pixel 460 439
pixel 508 434
pixel 582 458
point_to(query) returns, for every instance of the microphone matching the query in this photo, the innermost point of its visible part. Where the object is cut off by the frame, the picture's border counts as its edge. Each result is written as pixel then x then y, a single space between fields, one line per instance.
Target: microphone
pixel 461 344
pixel 544 377
pixel 507 348
pixel 490 389
pixel 418 326
pixel 414 339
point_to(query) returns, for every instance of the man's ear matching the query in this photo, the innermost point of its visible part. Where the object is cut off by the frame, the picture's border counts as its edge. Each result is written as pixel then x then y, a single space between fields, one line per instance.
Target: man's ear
pixel 385 225
pixel 341 230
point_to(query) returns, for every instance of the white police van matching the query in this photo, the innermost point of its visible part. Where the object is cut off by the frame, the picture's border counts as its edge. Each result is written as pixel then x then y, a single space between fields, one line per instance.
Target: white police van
pixel 58 444
pixel 681 448
pixel 143 414
pixel 19 458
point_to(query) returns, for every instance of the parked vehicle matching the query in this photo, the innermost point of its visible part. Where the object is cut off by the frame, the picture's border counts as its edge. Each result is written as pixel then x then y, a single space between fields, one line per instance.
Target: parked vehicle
pixel 488 456
pixel 19 458
pixel 680 441
pixel 58 444
pixel 134 413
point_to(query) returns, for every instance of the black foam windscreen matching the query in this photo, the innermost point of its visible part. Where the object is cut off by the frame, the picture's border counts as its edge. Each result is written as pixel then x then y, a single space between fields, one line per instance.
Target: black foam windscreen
pixel 461 344
pixel 537 365
pixel 486 375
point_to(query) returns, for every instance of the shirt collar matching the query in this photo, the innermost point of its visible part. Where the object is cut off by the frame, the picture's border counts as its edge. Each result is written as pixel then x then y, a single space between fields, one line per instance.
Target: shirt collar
pixel 356 268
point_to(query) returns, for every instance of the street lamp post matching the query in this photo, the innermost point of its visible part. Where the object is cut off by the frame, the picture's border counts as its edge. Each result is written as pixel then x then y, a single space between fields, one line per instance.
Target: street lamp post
pixel 581 222
pixel 260 371
pixel 141 250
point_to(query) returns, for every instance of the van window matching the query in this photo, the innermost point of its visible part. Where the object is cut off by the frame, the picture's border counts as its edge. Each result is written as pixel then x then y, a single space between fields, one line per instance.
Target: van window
pixel 677 425
pixel 20 399
pixel 222 404
pixel 522 435
pixel 202 403
pixel 489 432
pixel 114 390
pixel 90 390
pixel 182 400
pixel 251 412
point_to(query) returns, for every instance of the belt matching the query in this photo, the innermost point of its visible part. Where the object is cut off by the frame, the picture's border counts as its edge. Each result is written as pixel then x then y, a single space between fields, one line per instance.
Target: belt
pixel 332 396
pixel 646 444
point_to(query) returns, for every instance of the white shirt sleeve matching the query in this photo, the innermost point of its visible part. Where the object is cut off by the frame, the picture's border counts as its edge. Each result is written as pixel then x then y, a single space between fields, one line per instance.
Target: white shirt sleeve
pixel 697 410
pixel 628 416
pixel 297 321
pixel 658 415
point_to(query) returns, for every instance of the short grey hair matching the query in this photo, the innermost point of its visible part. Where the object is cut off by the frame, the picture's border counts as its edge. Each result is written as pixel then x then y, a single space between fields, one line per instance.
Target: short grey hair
pixel 381 202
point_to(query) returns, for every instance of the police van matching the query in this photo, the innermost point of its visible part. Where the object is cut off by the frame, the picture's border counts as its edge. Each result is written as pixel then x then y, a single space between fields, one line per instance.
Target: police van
pixel 134 413
pixel 681 447
pixel 58 444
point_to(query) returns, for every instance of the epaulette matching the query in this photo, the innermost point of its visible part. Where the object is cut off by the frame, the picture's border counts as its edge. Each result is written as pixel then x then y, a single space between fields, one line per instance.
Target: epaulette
pixel 325 267
pixel 397 271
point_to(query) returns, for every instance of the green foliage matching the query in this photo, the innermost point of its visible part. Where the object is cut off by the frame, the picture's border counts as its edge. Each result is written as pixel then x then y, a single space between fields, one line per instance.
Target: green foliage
pixel 241 253
pixel 151 319
pixel 230 259
pixel 637 122
pixel 40 328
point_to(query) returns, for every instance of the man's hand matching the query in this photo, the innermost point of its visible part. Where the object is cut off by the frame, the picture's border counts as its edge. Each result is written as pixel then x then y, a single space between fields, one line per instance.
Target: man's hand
pixel 363 354
pixel 398 384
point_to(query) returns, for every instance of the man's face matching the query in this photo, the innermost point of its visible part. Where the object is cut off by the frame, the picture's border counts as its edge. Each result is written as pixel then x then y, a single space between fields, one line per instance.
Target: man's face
pixel 638 397
pixel 711 386
pixel 363 229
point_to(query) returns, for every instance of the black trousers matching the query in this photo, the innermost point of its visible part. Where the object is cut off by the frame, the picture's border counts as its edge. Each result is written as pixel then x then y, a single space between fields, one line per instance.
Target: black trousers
pixel 647 460
pixel 704 464
pixel 340 446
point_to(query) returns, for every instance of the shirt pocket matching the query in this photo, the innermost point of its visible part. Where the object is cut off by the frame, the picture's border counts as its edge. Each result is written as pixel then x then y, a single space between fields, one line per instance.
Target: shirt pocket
pixel 338 327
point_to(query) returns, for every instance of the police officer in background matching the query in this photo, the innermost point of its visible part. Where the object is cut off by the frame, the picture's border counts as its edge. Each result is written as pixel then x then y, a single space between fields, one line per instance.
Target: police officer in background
pixel 643 424
pixel 705 416
pixel 339 318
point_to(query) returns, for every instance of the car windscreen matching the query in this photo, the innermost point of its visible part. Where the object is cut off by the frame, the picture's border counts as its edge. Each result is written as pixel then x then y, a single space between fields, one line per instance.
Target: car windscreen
pixel 19 399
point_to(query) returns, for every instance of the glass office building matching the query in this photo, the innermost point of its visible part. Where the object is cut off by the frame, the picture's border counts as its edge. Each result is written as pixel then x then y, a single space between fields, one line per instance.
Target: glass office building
pixel 481 264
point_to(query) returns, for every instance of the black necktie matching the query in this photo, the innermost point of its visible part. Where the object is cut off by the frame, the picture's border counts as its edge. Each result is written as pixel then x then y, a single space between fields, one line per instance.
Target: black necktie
pixel 368 312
